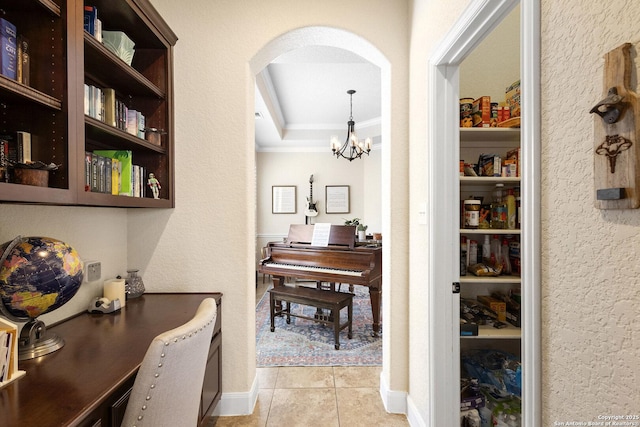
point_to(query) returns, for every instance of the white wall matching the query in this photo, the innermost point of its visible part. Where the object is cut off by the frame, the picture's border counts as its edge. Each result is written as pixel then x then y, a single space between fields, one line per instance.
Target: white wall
pixel 362 176
pixel 97 234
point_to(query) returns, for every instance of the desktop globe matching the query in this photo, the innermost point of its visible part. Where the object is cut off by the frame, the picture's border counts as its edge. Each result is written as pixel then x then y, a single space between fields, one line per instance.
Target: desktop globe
pixel 37 275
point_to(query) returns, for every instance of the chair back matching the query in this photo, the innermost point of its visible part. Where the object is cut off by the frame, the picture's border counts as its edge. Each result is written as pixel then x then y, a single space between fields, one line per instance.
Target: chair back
pixel 167 390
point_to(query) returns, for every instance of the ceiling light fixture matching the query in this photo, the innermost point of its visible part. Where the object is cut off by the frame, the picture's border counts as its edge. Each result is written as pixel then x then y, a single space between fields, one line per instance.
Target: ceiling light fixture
pixel 355 147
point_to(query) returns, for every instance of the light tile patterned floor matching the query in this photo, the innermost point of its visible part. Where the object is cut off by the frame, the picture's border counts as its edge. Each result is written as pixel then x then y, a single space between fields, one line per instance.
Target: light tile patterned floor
pixel 324 396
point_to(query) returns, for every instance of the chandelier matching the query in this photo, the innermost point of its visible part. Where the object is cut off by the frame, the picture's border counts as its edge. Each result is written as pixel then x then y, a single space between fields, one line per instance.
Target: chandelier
pixel 352 148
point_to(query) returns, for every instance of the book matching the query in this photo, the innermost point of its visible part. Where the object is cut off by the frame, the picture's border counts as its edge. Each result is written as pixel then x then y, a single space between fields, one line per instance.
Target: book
pixel 23 140
pixel 87 171
pixel 133 122
pixel 9 46
pixel 101 174
pixel 23 60
pixel 4 160
pixel 94 173
pixel 107 175
pixel 125 158
pixel 115 176
pixel 90 17
pixel 109 106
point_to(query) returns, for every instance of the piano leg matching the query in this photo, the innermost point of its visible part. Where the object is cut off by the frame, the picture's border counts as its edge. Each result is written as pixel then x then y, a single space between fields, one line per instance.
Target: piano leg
pixel 374 296
pixel 278 281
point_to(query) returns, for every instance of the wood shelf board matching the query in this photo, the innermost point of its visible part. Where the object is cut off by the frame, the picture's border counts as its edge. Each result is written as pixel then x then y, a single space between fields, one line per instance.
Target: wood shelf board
pixel 109 69
pixel 489 332
pixel 490 134
pixel 470 279
pixel 108 200
pixel 483 231
pixel 114 138
pixel 14 91
pixel 136 17
pixel 488 180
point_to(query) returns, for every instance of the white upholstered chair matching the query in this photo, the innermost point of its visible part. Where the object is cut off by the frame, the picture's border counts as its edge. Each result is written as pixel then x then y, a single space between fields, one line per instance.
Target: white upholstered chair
pixel 167 389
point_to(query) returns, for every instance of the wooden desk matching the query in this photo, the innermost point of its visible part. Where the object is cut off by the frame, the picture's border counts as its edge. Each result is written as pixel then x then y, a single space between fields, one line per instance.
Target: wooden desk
pixel 86 383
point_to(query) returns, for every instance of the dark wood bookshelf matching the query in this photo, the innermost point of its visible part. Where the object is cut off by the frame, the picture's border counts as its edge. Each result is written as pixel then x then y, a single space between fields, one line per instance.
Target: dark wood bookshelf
pixel 63 57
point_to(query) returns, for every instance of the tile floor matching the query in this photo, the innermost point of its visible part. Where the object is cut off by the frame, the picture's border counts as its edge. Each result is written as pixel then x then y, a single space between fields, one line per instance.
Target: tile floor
pixel 324 396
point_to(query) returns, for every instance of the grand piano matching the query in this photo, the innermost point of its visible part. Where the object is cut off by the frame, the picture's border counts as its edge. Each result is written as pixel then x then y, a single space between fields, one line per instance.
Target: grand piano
pixel 341 261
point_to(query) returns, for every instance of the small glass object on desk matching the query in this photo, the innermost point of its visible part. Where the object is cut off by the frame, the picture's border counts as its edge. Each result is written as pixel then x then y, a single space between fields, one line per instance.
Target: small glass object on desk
pixel 134 287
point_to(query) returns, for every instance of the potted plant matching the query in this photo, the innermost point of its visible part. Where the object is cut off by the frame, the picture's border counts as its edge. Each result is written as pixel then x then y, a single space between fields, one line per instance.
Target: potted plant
pixel 360 228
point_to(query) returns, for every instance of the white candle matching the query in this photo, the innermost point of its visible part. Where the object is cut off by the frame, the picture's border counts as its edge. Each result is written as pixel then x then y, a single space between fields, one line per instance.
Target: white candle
pixel 114 289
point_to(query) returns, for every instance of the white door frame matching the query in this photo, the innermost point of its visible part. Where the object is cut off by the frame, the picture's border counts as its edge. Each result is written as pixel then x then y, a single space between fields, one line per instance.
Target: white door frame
pixel 478 20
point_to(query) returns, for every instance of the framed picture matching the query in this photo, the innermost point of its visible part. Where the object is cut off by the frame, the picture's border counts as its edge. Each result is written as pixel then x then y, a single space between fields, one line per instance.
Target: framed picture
pixel 283 199
pixel 336 199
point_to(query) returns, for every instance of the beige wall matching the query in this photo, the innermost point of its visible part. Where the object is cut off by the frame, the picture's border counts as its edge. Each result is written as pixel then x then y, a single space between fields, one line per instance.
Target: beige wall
pixel 216 167
pixel 591 319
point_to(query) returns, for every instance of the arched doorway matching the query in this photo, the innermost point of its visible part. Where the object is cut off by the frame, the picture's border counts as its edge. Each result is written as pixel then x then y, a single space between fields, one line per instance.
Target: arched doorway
pixel 337 38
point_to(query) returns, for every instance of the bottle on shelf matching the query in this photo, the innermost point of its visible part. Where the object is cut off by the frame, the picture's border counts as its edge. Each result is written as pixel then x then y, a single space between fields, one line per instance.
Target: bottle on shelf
pixel 510 202
pixel 486 248
pixel 496 249
pixel 506 263
pixel 498 208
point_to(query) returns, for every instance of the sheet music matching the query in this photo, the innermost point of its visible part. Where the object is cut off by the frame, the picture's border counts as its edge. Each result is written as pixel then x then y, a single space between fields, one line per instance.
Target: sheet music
pixel 321 233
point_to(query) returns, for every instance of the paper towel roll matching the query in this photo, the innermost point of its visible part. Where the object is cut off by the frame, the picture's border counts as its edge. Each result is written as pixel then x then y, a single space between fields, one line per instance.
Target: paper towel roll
pixel 114 289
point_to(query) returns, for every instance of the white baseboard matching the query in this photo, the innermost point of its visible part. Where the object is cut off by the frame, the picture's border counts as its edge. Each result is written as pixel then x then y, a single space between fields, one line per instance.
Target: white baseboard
pixel 413 415
pixel 234 404
pixel 395 402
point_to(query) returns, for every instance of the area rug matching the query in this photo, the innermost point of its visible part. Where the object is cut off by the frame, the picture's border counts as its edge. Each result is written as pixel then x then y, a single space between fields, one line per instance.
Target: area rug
pixel 307 343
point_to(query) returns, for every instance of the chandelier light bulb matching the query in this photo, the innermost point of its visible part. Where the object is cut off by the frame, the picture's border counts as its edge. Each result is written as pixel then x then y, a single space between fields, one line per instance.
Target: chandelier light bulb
pixel 352 146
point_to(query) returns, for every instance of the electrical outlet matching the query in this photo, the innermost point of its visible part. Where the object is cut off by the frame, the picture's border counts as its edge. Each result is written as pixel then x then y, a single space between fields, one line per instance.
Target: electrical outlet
pixel 93 270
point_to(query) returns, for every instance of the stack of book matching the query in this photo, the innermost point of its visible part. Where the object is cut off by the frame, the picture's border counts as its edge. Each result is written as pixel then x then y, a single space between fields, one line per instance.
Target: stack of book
pixel 14 58
pixel 113 172
pixel 102 104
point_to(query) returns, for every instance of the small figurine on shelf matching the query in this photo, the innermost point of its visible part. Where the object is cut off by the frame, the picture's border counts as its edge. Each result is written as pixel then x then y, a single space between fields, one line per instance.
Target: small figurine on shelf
pixel 154 184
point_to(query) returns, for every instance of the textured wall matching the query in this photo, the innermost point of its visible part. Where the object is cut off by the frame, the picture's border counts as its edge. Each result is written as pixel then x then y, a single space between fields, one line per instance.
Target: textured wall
pixel 591 291
pixel 215 153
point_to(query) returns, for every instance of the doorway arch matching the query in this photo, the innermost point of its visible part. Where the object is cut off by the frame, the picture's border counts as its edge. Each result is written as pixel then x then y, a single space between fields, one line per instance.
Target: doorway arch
pixel 341 39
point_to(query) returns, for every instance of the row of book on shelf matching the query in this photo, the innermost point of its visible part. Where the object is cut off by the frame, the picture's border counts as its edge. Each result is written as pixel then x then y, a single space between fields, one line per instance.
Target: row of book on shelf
pixel 14 148
pixel 14 58
pixel 102 104
pixel 113 172
pixel 92 24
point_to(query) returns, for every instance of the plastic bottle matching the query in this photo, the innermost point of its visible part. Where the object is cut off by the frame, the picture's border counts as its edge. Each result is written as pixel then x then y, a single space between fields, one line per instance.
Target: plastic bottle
pixel 506 263
pixel 485 417
pixel 510 201
pixel 473 252
pixel 495 249
pixel 498 208
pixel 512 421
pixel 486 248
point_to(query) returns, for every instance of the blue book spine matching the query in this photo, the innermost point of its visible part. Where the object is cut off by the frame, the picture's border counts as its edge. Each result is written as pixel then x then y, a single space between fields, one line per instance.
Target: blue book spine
pixel 90 16
pixel 8 43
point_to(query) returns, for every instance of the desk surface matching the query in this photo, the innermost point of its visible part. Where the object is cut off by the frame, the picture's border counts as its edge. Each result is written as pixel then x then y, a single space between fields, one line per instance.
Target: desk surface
pixel 101 352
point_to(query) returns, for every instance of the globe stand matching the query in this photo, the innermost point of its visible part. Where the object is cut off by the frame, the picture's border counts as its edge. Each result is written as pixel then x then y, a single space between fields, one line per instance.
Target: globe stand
pixel 36 341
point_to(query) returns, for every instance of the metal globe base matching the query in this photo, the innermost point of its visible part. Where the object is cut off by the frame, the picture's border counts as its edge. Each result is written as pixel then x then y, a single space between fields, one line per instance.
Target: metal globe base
pixel 36 341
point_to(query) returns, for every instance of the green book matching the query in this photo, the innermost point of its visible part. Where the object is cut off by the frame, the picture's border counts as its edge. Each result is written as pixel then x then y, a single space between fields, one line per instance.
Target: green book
pixel 125 158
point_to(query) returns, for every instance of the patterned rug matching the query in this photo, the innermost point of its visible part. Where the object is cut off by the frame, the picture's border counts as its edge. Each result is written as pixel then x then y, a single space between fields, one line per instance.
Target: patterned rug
pixel 307 343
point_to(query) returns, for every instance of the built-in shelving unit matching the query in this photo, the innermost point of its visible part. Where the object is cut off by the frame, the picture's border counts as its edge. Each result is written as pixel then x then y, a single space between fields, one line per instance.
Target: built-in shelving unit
pixel 63 57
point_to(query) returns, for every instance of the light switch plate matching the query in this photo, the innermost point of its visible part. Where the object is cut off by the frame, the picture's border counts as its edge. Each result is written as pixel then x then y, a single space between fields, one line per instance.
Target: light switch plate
pixel 93 270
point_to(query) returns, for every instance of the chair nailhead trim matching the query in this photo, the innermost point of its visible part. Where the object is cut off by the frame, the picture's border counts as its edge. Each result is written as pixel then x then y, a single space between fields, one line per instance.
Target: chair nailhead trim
pixel 166 344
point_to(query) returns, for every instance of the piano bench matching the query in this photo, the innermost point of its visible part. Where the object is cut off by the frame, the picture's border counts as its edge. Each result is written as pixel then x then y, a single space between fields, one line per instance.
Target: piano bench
pixel 330 300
